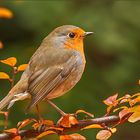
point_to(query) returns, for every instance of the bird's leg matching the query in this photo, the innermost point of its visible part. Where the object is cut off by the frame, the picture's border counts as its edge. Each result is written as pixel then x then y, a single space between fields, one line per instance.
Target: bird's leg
pixel 56 108
pixel 39 114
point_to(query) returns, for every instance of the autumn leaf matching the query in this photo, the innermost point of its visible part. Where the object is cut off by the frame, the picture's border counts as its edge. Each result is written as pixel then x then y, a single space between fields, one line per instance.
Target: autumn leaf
pixel 136 115
pixel 113 130
pixel 4 75
pixel 67 121
pixel 103 135
pixel 85 112
pixel 25 123
pixel 125 112
pixel 92 126
pixel 5 13
pixel 11 61
pixel 74 136
pixel 122 107
pixel 22 67
pixel 1 45
pixel 12 130
pixel 17 138
pixel 45 134
pixel 112 100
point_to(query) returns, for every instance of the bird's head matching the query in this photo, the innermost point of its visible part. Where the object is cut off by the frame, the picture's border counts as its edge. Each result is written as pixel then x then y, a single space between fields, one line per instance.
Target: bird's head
pixel 69 36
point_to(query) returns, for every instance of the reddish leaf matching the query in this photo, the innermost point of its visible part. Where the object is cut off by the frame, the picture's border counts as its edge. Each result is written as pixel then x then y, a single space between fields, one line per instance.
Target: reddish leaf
pixel 74 136
pixel 85 112
pixel 5 13
pixel 103 135
pixel 45 134
pixel 124 101
pixel 124 113
pixel 4 75
pixel 22 67
pixel 11 61
pixel 67 121
pixel 25 123
pixel 92 126
pixel 17 138
pixel 112 100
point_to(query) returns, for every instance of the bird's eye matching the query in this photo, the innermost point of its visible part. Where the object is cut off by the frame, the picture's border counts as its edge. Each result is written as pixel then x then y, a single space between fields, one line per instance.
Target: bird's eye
pixel 71 35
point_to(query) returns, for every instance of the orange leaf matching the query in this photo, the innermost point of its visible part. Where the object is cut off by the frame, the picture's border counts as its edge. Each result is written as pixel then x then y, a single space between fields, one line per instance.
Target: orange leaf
pixel 48 122
pixel 17 138
pixel 136 115
pixel 112 100
pixel 13 130
pixel 103 135
pixel 67 121
pixel 1 45
pixel 74 136
pixel 36 125
pixel 11 61
pixel 22 67
pixel 92 126
pixel 4 75
pixel 83 111
pixel 5 13
pixel 109 108
pixel 25 123
pixel 45 134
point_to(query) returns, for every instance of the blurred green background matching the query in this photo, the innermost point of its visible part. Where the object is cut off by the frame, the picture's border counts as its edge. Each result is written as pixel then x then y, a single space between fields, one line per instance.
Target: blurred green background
pixel 112 53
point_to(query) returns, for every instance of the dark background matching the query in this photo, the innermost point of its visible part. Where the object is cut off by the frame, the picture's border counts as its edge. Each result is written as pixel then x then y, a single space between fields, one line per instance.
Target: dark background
pixel 112 53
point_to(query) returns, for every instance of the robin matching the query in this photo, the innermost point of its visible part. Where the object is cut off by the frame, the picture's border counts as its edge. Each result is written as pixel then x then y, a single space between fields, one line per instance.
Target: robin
pixel 53 70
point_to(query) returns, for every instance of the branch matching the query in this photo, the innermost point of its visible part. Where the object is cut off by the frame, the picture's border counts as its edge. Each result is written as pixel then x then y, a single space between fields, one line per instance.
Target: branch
pixel 81 124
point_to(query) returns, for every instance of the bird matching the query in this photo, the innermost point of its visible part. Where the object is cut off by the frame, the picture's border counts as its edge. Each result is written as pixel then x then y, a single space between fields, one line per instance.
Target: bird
pixel 53 70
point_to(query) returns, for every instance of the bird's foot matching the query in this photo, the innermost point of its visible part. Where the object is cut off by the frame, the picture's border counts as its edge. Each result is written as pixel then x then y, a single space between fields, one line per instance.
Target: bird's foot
pixel 56 108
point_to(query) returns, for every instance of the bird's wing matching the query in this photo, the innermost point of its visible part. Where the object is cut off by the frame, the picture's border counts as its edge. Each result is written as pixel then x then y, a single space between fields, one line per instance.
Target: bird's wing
pixel 42 82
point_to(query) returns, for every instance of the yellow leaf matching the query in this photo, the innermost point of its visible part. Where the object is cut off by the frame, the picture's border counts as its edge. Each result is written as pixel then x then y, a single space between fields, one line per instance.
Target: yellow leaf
pixel 11 61
pixel 74 136
pixel 4 75
pixel 1 45
pixel 22 67
pixel 103 135
pixel 92 126
pixel 113 130
pixel 83 111
pixel 136 115
pixel 5 13
pixel 45 133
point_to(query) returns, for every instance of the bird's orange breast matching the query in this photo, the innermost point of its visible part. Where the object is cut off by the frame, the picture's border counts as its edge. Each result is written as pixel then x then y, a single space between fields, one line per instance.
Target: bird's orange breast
pixel 77 45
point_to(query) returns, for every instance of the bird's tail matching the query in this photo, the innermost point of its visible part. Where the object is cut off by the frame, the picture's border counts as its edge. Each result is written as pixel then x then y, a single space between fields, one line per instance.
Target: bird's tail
pixel 6 100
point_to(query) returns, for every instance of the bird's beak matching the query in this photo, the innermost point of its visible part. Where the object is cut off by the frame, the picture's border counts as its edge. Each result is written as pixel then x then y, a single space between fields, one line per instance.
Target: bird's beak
pixel 88 33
